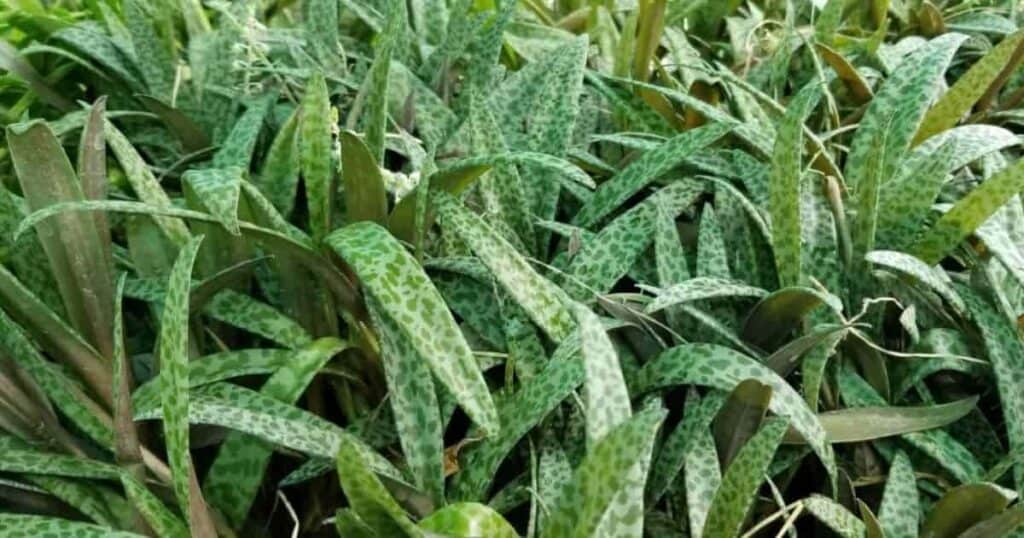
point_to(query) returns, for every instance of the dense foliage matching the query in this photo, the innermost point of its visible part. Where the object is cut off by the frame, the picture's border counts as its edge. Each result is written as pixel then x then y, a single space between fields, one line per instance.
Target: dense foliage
pixel 550 269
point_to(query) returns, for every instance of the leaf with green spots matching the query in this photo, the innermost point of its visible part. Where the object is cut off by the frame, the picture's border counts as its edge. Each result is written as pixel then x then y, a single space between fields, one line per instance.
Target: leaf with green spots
pixel 17 525
pixel 234 478
pixel 970 87
pixel 145 184
pixel 42 463
pixel 368 497
pixel 162 520
pixel 742 479
pixel 608 257
pixel 969 213
pixel 702 289
pixel 315 155
pixel 375 85
pixel 654 163
pixel 675 448
pixel 786 173
pixel 1006 354
pixel 279 177
pixel 404 292
pixel 607 405
pixel 174 388
pixel 581 504
pixel 900 508
pixel 465 520
pixel 543 301
pixel 248 411
pixel 702 475
pixel 913 268
pixel 501 190
pixel 904 203
pixel 518 413
pixel 835 516
pixel 218 190
pixel 723 368
pixel 237 148
pixel 894 115
pixel 66 395
pixel 414 402
pixel 156 54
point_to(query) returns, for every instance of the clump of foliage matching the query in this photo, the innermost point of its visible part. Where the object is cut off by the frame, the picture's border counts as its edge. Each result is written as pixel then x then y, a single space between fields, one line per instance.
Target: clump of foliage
pixel 491 268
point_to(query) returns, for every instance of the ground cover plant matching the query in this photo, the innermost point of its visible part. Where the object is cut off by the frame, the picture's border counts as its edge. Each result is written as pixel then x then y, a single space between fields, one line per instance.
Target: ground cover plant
pixel 486 268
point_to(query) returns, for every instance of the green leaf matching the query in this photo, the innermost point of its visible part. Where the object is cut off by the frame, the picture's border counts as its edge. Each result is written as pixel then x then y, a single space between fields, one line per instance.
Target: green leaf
pixel 77 249
pixel 52 333
pixel 936 443
pixel 15 525
pixel 1004 524
pixel 866 423
pixel 465 520
pixel 580 505
pixel 315 155
pixel 542 300
pixel 401 288
pixel 775 316
pixel 969 87
pixel 723 368
pixel 640 173
pixel 605 394
pixel 502 191
pixel 156 54
pixel 900 508
pixel 234 478
pixel 365 197
pixel 786 173
pixel 740 418
pixel 191 136
pixel 741 480
pixel 969 213
pixel 962 507
pixel 174 327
